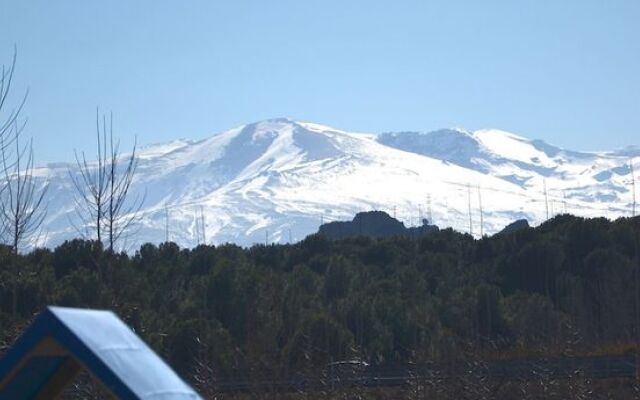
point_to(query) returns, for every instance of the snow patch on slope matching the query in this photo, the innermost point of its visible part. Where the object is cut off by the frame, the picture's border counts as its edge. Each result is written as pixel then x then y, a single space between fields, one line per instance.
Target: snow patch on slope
pixel 279 179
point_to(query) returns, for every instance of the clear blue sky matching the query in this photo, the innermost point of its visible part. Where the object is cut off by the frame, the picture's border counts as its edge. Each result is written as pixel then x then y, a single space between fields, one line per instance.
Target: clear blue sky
pixel 564 71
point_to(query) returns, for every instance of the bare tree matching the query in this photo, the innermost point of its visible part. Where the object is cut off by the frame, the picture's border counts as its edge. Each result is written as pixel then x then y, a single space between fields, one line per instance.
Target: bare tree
pixel 121 214
pixel 91 184
pixel 22 208
pixel 9 117
pixel 103 187
pixel 21 201
pixel 6 78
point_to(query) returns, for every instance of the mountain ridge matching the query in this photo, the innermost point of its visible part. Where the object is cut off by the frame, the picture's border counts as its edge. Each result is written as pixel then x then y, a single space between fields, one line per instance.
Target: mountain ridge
pixel 279 179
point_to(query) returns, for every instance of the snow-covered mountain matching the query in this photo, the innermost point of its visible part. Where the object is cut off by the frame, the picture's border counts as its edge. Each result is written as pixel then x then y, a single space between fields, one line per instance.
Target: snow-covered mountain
pixel 278 180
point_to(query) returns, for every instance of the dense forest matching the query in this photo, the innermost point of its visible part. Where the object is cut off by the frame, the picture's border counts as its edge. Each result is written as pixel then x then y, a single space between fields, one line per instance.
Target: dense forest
pixel 567 287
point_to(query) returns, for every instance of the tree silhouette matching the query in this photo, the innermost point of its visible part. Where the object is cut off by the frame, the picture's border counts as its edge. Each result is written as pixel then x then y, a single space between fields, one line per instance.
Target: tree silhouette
pixel 103 188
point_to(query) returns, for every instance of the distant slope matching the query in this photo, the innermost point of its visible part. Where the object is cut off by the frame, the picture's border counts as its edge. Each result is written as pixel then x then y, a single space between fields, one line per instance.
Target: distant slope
pixel 601 179
pixel 277 180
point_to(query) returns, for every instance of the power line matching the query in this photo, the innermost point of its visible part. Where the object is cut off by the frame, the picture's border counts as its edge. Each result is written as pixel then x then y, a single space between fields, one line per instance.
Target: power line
pixel 203 226
pixel 546 199
pixel 197 230
pixel 166 224
pixel 633 189
pixel 470 219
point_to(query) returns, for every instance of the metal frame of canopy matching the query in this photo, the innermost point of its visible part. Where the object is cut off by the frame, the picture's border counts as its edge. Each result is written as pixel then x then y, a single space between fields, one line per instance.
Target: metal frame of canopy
pixel 61 342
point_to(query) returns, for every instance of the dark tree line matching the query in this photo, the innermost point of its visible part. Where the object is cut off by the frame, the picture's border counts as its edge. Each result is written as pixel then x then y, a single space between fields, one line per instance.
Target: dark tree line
pixel 270 312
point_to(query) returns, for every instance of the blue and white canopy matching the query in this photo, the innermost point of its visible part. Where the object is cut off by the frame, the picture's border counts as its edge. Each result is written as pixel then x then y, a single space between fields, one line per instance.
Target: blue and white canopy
pixel 63 341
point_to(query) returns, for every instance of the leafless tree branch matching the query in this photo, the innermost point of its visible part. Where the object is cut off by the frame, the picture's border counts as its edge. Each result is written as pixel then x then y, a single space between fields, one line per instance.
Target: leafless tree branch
pixel 103 187
pixel 7 122
pixel 21 209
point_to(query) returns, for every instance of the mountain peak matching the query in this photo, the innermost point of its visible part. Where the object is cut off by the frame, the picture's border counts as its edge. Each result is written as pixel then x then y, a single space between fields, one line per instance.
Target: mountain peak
pixel 498 133
pixel 279 178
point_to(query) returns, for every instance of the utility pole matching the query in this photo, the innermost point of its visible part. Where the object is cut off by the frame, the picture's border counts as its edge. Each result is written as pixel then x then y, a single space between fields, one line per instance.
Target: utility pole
pixel 429 215
pixel 197 229
pixel 637 298
pixel 633 189
pixel 203 226
pixel 481 212
pixel 266 237
pixel 546 199
pixel 470 219
pixel 166 224
pixel 564 201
